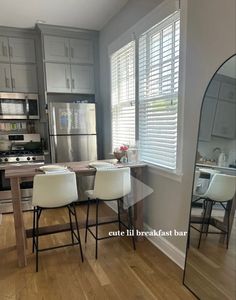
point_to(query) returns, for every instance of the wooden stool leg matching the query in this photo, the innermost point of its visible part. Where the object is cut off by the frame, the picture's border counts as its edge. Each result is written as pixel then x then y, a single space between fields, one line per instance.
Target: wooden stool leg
pixel 77 227
pixel 87 218
pixel 131 226
pixel 96 249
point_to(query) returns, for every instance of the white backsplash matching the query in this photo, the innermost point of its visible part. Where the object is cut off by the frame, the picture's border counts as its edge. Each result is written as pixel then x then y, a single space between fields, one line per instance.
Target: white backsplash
pixel 227 146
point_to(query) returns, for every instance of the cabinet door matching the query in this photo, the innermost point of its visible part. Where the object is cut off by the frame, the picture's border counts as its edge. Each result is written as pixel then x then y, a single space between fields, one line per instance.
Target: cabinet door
pixel 82 79
pixel 4 53
pixel 225 123
pixel 56 49
pixel 207 118
pixel 81 51
pixel 58 78
pixel 24 78
pixel 5 78
pixel 21 50
pixel 213 89
pixel 228 92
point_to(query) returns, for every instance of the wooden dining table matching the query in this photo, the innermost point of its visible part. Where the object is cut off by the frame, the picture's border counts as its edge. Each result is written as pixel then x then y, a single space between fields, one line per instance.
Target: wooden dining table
pixel 23 173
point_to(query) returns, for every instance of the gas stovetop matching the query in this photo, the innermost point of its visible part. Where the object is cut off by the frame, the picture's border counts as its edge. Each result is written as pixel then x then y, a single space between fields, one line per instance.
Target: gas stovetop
pixel 14 156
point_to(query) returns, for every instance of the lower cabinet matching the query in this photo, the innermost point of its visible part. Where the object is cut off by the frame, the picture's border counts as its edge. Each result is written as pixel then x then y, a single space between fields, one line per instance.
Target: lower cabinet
pixel 66 78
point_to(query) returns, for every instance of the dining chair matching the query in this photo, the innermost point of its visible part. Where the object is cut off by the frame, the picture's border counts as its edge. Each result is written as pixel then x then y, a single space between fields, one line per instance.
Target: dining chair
pixel 221 190
pixel 52 191
pixel 109 185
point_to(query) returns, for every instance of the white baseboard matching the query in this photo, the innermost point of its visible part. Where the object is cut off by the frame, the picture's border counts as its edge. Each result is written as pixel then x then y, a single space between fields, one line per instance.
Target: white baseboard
pixel 167 248
pixel 161 243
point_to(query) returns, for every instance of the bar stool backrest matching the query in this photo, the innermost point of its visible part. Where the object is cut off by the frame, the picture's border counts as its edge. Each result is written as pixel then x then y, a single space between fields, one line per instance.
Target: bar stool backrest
pixel 221 188
pixel 54 190
pixel 112 184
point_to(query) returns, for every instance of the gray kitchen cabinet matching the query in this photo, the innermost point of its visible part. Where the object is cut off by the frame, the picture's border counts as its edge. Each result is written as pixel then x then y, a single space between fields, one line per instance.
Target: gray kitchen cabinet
pixel 82 79
pixel 228 92
pixel 225 123
pixel 81 51
pixel 24 78
pixel 21 50
pixel 5 78
pixel 207 118
pixel 58 78
pixel 56 49
pixel 4 53
pixel 213 89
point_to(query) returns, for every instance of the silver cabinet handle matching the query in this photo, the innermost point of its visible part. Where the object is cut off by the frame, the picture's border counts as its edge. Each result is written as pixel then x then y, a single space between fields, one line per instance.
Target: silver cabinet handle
pixel 73 83
pixel 7 82
pixel 68 83
pixel 4 50
pixel 13 82
pixel 10 51
pixel 66 51
pixel 72 52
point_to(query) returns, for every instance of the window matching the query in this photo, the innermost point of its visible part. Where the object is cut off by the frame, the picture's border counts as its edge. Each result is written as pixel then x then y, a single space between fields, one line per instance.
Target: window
pixel 123 95
pixel 158 92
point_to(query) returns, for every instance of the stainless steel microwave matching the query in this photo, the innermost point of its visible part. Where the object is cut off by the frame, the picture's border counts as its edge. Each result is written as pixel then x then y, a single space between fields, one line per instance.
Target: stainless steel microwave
pixel 19 106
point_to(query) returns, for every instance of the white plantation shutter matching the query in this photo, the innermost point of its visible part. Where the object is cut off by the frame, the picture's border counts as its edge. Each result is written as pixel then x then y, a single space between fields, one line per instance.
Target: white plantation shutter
pixel 123 95
pixel 158 92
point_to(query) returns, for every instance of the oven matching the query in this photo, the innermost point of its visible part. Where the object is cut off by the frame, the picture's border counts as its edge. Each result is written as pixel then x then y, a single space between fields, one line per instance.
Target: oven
pixel 18 154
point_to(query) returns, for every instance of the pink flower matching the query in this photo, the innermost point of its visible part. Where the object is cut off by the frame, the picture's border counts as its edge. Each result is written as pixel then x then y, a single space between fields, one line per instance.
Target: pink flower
pixel 124 148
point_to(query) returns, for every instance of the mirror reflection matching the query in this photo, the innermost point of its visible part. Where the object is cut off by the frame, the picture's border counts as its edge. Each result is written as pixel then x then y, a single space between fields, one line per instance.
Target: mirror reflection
pixel 210 270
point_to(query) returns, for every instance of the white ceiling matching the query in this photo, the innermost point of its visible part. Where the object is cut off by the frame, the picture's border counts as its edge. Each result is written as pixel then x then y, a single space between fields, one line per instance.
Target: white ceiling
pixel 89 14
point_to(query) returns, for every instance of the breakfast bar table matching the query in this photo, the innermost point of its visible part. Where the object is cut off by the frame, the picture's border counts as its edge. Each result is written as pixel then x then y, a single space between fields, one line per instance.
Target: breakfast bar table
pixel 18 174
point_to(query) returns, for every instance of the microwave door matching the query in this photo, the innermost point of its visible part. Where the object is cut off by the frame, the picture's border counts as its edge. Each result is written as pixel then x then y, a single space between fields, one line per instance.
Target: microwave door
pixel 13 109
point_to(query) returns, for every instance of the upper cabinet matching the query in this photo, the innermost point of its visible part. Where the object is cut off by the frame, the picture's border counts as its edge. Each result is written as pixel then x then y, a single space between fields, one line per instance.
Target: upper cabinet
pixel 56 49
pixel 4 50
pixel 81 51
pixel 207 118
pixel 21 50
pixel 228 92
pixel 17 65
pixel 17 50
pixel 60 49
pixel 69 65
pixel 225 123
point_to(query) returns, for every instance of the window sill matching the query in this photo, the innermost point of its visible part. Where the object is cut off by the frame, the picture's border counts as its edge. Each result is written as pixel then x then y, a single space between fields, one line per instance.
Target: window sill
pixel 157 170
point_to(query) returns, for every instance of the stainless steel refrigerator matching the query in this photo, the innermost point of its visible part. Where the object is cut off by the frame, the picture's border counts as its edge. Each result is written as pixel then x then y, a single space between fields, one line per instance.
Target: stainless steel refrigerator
pixel 73 137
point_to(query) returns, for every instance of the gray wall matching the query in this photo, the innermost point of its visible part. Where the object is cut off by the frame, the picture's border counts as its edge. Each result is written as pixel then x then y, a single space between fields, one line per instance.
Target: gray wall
pixel 210 39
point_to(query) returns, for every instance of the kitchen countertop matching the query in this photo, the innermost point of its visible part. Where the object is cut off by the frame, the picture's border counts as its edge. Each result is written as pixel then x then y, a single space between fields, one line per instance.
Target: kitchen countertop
pixel 227 170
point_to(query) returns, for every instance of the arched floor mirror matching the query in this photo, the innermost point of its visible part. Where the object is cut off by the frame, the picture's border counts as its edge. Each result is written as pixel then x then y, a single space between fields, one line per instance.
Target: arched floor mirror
pixel 210 266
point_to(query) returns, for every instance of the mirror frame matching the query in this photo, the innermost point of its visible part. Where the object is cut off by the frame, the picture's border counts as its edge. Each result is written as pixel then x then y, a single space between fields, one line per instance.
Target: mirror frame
pixel 188 236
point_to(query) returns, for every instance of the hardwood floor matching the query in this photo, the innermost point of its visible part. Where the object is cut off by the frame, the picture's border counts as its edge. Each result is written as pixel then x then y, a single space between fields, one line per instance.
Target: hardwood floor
pixel 211 269
pixel 119 273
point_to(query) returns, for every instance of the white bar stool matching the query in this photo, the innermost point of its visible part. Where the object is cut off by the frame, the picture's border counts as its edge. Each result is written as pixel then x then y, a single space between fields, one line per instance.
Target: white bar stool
pixel 54 191
pixel 110 184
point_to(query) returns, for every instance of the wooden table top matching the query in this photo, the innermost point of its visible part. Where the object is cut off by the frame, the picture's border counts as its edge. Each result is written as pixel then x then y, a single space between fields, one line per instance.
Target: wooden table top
pixel 30 170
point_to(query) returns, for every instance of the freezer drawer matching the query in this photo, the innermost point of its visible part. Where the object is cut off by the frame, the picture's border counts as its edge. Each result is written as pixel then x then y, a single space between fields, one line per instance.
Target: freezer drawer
pixel 65 148
pixel 72 118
